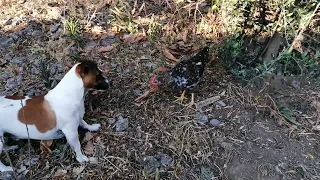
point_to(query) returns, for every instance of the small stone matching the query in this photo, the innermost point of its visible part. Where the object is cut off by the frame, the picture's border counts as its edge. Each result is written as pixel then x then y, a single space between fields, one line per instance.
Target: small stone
pixel 111 120
pixel 220 103
pixel 54 28
pixel 215 122
pixel 14 36
pixel 31 92
pixel 137 92
pixel 295 84
pixel 90 44
pixel 107 41
pixel 31 161
pixel 151 65
pixel 113 65
pixel 11 83
pixel 8 57
pixel 37 34
pixel 165 160
pixel 18 60
pixel 201 118
pixel 8 22
pixel 6 42
pixel 150 164
pixel 122 124
pixel 5 75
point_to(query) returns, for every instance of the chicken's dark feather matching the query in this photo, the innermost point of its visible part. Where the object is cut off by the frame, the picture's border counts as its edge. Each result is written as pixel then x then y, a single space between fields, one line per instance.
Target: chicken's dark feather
pixel 187 74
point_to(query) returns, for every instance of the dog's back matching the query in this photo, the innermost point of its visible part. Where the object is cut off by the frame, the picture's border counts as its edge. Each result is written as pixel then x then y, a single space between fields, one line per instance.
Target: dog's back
pixel 14 117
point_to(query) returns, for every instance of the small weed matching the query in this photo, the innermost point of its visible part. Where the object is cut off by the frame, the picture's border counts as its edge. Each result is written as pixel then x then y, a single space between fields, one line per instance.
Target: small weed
pixel 153 30
pixel 73 26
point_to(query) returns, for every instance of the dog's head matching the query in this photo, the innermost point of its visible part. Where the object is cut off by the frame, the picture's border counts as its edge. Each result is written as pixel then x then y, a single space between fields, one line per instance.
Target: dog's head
pixel 91 76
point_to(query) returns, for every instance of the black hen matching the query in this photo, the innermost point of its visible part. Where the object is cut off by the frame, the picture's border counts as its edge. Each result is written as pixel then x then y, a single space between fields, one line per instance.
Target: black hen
pixel 184 76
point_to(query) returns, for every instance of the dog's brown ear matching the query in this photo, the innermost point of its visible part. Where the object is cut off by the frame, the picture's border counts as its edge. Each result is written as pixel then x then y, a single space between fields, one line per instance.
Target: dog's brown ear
pixel 84 68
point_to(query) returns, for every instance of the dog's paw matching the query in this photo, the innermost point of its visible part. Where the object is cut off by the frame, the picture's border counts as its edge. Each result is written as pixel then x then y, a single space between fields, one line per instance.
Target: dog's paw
pixel 94 127
pixel 82 158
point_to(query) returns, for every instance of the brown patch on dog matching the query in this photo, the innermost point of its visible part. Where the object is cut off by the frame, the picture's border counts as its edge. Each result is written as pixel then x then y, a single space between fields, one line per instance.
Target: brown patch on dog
pixel 37 111
pixel 15 97
pixel 88 71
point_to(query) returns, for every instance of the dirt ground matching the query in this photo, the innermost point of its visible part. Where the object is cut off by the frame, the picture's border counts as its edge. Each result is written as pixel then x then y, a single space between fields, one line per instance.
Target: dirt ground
pixel 239 136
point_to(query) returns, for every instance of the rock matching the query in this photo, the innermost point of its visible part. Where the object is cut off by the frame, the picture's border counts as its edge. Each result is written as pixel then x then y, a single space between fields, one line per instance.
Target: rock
pixel 18 60
pixel 2 62
pixel 111 120
pixel 296 84
pixel 122 124
pixel 30 162
pixel 137 92
pixel 165 159
pixel 31 92
pixel 37 34
pixel 28 30
pixel 107 41
pixel 201 118
pixel 220 103
pixel 8 57
pixel 91 44
pixel 5 75
pixel 215 122
pixel 6 175
pixel 113 64
pixel 6 42
pixel 8 22
pixel 14 36
pixel 150 164
pixel 54 28
pixel 151 65
pixel 12 83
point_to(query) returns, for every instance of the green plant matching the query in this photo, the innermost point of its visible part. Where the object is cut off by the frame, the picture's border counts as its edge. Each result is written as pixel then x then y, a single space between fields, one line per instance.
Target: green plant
pixel 153 30
pixel 73 26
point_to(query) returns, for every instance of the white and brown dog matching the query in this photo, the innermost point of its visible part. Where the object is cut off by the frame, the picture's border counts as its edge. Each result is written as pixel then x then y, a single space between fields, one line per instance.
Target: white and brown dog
pixel 55 114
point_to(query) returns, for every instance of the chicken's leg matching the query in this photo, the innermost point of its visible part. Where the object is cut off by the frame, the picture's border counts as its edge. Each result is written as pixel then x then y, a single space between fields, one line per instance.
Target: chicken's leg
pixel 192 100
pixel 181 98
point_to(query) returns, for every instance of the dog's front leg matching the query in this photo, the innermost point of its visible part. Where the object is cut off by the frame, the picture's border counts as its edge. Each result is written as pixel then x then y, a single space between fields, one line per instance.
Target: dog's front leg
pixel 73 140
pixel 92 127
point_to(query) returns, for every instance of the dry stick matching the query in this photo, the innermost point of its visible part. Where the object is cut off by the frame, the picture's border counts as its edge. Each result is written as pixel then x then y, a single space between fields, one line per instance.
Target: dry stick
pixel 29 143
pixel 302 29
pixel 7 154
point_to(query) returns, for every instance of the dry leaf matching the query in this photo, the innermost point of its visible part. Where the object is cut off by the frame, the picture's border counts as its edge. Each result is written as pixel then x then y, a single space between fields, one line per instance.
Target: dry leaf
pixel 87 137
pixel 45 146
pixel 78 170
pixel 316 105
pixel 144 95
pixel 107 48
pixel 60 173
pixel 185 35
pixel 195 49
pixel 168 55
pixel 133 38
pixel 88 148
pixel 97 32
pixel 19 27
